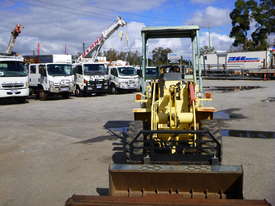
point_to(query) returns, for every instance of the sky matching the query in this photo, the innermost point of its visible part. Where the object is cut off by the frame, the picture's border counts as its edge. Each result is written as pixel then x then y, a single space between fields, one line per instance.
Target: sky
pixel 68 23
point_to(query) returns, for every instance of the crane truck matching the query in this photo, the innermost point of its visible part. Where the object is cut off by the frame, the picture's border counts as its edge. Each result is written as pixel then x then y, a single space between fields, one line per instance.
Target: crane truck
pixel 91 76
pixel 13 72
pixel 173 148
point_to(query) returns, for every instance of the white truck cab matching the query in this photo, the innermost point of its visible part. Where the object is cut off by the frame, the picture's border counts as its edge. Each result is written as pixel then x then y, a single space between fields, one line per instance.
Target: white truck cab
pixel 13 77
pixel 91 78
pixel 123 78
pixel 51 78
pixel 151 72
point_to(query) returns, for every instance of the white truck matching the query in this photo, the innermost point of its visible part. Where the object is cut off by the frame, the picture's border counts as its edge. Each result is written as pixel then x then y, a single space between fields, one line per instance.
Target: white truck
pixel 13 77
pixel 90 78
pixel 53 76
pixel 123 78
pixel 13 72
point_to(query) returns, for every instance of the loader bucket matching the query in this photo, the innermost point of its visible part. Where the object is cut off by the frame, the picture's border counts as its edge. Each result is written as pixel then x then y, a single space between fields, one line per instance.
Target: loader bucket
pixel 157 200
pixel 189 181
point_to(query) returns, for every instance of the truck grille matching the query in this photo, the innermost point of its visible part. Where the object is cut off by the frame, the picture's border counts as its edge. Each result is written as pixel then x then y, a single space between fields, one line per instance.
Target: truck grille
pixel 12 85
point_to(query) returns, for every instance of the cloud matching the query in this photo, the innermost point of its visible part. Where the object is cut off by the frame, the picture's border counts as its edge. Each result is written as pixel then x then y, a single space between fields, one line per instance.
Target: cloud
pixel 131 39
pixel 203 1
pixel 210 17
pixel 70 22
pixel 129 5
pixel 78 21
pixel 220 42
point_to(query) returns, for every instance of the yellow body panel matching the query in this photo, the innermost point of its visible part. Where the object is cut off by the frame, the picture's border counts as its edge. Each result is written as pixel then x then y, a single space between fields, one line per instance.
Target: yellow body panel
pixel 169 107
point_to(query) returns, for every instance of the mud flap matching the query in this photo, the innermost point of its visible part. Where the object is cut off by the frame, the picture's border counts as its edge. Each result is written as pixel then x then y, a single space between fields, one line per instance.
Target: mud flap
pixel 189 181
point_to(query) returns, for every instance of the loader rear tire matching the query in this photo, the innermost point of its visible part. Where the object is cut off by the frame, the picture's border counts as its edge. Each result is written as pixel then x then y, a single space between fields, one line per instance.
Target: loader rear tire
pixel 212 126
pixel 134 151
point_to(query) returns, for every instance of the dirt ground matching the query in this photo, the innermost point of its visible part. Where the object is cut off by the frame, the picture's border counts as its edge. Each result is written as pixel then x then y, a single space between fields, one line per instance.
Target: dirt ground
pixel 52 149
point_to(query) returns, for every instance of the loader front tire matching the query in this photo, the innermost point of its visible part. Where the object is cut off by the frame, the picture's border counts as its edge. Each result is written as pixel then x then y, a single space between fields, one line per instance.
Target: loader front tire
pixel 213 128
pixel 134 148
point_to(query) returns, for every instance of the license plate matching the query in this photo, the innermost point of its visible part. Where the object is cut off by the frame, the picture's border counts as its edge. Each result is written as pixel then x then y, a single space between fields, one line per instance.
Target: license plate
pixel 98 86
pixel 64 89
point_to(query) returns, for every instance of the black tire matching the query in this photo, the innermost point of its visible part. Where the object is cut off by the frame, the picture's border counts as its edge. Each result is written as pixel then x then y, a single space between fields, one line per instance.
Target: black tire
pixel 212 126
pixel 77 92
pixel 113 89
pixel 134 151
pixel 21 100
pixel 43 95
pixel 66 95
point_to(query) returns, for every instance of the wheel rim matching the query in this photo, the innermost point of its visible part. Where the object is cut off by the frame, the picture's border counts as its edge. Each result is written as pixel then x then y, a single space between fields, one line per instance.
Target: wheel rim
pixel 113 89
pixel 42 94
pixel 77 92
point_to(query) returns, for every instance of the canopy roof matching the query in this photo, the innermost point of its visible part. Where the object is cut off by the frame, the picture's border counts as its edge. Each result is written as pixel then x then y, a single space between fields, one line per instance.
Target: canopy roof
pixel 170 31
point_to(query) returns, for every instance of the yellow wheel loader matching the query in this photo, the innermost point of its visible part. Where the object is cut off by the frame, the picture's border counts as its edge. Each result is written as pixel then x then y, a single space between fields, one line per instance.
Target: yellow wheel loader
pixel 173 148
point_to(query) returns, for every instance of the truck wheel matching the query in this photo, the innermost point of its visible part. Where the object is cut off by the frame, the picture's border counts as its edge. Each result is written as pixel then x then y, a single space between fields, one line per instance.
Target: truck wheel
pixel 43 95
pixel 66 95
pixel 134 151
pixel 22 100
pixel 77 92
pixel 113 89
pixel 212 126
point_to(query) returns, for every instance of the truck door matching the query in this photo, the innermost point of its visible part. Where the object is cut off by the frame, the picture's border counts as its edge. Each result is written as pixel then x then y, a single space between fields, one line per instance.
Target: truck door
pixel 43 76
pixel 114 76
pixel 79 75
pixel 33 75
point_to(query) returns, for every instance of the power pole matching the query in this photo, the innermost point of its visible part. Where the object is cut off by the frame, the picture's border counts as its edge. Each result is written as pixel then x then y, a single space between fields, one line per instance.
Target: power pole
pixel 209 38
pixel 83 47
pixel 65 49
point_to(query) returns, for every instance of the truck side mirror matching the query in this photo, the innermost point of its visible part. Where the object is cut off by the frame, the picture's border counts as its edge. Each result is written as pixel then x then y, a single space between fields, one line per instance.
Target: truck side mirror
pixel 139 73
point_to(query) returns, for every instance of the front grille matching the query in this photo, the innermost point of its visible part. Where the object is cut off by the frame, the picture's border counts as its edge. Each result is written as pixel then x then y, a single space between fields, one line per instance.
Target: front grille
pixel 65 82
pixel 12 85
pixel 97 82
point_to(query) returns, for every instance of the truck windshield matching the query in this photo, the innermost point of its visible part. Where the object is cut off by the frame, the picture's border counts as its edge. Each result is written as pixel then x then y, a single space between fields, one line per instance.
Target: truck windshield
pixel 127 71
pixel 60 69
pixel 13 69
pixel 92 69
pixel 151 71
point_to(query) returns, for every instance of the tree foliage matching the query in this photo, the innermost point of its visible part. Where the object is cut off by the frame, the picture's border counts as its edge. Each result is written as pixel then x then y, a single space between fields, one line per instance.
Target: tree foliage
pixel 206 50
pixel 160 56
pixel 133 58
pixel 258 16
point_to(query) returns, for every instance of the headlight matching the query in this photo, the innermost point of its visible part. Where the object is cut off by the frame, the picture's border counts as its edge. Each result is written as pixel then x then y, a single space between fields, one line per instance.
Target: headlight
pixel 51 83
pixel 123 84
pixel 27 84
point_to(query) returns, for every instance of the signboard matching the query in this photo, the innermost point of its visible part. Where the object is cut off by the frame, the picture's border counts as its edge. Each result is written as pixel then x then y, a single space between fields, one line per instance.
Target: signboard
pixel 173 57
pixel 243 59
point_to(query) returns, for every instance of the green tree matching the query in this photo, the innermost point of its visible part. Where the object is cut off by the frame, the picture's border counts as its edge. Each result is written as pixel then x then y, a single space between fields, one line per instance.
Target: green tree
pixel 264 15
pixel 206 50
pixel 240 23
pixel 133 57
pixel 261 14
pixel 111 55
pixel 160 55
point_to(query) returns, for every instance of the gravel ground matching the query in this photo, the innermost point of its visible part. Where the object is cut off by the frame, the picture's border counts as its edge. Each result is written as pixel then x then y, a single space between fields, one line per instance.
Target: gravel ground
pixel 52 149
